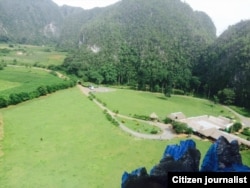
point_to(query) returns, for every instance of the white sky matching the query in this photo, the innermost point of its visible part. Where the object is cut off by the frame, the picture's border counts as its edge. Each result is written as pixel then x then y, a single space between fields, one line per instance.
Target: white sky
pixel 223 12
pixel 86 4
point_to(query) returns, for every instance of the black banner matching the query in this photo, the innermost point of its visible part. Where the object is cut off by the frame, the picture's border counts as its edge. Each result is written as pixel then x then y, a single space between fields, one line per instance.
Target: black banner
pixel 208 179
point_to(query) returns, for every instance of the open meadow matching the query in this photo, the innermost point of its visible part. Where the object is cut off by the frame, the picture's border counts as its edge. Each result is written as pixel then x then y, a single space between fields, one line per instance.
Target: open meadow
pixel 64 140
pixel 131 102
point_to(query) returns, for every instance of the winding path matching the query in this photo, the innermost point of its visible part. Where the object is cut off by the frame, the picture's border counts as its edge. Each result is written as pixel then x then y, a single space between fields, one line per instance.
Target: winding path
pixel 244 120
pixel 167 132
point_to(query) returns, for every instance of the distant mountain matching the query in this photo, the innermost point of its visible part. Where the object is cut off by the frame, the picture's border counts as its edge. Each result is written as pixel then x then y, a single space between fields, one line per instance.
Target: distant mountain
pixel 73 20
pixel 134 40
pixel 29 21
pixel 155 45
pixel 40 22
pixel 166 21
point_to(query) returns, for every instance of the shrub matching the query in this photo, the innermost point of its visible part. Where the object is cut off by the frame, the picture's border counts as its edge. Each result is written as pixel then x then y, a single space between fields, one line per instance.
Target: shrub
pixel 90 97
pixel 153 131
pixel 167 120
pixel 42 90
pixel 14 98
pixel 181 128
pixel 178 92
pixel 3 102
pixel 235 127
pixel 110 118
pixel 143 117
pixel 246 131
pixel 116 111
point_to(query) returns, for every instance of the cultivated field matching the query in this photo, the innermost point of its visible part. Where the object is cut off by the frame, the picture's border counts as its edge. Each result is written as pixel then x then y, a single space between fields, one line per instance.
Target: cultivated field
pixel 25 79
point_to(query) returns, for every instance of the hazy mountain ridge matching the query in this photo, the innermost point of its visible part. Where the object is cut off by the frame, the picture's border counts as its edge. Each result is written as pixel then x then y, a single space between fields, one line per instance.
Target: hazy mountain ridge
pixel 43 21
pixel 27 21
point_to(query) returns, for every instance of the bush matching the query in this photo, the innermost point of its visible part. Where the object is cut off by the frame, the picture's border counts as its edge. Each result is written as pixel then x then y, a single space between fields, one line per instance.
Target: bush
pixel 147 118
pixel 246 131
pixel 42 90
pixel 235 127
pixel 3 102
pixel 110 118
pixel 178 92
pixel 153 131
pixel 116 111
pixel 167 120
pixel 181 128
pixel 90 98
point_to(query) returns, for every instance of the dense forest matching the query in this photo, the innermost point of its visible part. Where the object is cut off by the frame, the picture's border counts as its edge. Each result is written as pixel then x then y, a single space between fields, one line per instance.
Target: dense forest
pixel 149 45
pixel 224 67
pixel 153 45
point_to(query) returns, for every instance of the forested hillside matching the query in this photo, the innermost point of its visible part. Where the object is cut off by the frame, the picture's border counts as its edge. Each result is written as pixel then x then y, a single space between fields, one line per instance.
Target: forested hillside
pixel 29 21
pixel 74 20
pixel 224 68
pixel 42 22
pixel 148 44
pixel 153 45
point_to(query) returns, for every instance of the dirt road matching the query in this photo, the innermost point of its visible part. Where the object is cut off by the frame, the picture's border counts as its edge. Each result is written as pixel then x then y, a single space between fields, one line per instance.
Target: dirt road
pixel 244 120
pixel 166 134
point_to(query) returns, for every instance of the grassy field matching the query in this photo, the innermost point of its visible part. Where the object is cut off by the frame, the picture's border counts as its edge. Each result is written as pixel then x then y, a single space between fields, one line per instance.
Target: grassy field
pixel 30 55
pixel 130 102
pixel 24 79
pixel 140 127
pixel 64 140
pixel 243 111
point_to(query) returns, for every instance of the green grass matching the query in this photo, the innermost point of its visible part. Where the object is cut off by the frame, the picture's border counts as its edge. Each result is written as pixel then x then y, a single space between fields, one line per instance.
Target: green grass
pixel 24 79
pixel 241 110
pixel 31 55
pixel 130 102
pixel 8 85
pixel 245 157
pixel 139 126
pixel 64 140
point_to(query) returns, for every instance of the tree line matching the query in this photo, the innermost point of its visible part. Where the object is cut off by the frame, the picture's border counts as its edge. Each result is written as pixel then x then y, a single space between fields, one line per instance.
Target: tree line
pixel 16 98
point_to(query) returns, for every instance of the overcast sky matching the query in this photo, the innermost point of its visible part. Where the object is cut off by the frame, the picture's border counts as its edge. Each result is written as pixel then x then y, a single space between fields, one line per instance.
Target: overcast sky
pixel 86 4
pixel 223 12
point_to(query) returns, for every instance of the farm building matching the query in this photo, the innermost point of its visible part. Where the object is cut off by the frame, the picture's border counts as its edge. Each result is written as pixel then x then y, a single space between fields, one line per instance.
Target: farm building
pixel 177 116
pixel 154 117
pixel 209 126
